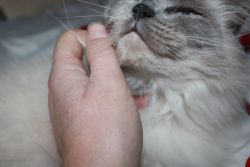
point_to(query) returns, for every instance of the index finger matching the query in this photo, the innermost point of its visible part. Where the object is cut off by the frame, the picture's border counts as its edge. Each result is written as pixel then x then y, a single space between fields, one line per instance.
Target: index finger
pixel 69 48
pixel 67 61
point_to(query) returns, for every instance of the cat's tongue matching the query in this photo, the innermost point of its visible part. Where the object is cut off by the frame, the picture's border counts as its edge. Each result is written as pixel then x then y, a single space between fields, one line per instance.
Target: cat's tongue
pixel 141 101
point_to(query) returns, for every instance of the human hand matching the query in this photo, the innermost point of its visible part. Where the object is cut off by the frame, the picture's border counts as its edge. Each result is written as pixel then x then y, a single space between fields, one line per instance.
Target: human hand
pixel 94 117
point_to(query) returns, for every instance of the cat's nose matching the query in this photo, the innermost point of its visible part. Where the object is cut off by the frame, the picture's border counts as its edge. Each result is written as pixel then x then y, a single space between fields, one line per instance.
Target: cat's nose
pixel 141 11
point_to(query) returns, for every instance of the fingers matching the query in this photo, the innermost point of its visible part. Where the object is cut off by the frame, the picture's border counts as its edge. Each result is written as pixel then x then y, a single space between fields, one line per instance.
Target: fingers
pixel 69 48
pixel 101 55
pixel 67 69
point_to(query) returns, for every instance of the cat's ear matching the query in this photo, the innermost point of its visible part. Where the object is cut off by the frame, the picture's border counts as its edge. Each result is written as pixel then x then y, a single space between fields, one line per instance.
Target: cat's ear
pixel 239 12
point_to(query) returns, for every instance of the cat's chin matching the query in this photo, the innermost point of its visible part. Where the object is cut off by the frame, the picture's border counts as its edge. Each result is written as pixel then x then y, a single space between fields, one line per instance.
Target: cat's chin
pixel 138 82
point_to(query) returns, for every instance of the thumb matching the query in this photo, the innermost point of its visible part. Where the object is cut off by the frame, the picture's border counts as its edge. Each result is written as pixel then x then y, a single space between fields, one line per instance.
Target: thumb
pixel 103 62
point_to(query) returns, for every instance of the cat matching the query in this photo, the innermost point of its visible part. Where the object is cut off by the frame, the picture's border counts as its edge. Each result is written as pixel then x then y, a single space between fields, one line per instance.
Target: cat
pixel 183 54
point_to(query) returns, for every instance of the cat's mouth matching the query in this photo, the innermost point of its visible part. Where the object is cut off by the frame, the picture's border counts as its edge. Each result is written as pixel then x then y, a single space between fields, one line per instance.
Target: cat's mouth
pixel 129 27
pixel 129 31
pixel 141 97
pixel 142 101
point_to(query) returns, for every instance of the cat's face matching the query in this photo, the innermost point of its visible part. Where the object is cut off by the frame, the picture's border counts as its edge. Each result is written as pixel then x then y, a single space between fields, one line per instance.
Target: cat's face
pixel 175 40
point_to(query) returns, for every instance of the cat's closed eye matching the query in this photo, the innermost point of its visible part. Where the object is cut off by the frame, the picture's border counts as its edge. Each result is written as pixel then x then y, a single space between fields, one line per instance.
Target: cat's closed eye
pixel 182 10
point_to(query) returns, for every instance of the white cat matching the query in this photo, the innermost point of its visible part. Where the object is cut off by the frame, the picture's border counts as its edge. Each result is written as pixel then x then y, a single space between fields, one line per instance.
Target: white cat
pixel 183 54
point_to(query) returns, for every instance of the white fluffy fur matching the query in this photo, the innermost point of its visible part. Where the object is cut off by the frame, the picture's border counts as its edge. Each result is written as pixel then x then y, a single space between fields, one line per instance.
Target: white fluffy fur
pixel 26 138
pixel 168 142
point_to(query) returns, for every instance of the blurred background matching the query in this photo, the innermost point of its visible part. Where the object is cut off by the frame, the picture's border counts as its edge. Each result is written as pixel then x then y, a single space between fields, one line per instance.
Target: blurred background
pixel 18 8
pixel 30 27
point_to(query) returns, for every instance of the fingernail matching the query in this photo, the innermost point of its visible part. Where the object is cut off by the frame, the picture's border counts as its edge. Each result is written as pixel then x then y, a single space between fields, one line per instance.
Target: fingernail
pixel 96 31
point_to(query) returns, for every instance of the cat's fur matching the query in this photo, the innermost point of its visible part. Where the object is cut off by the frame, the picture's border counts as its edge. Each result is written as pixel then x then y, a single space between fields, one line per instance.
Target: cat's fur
pixel 191 66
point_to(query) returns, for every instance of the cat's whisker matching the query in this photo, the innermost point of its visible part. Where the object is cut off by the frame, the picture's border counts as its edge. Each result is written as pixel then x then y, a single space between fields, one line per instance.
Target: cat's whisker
pixel 238 36
pixel 79 17
pixel 91 3
pixel 174 50
pixel 217 45
pixel 212 43
pixel 201 39
pixel 67 28
pixel 66 12
pixel 102 13
pixel 57 19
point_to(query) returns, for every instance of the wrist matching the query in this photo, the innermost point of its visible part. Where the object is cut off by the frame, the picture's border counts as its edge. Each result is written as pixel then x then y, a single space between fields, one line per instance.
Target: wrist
pixel 100 157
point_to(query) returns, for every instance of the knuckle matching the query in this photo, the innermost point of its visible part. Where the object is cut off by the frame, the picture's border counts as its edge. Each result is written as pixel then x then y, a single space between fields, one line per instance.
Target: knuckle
pixel 72 33
pixel 65 35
